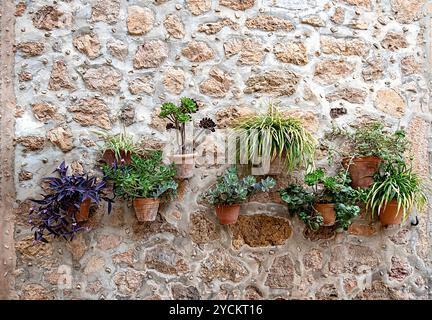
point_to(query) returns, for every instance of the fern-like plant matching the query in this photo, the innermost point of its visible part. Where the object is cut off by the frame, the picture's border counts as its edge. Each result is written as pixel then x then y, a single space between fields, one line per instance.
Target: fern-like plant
pixel 275 135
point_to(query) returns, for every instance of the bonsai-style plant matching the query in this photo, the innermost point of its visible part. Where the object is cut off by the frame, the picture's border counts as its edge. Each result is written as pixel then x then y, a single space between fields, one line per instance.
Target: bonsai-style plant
pixel 230 191
pixel 277 140
pixel 117 147
pixel 66 204
pixel 331 200
pixel 395 192
pixel 178 117
pixel 144 181
pixel 372 145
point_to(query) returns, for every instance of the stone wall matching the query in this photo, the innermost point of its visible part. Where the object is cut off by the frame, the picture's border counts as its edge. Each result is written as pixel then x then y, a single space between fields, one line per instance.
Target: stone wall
pixel 82 66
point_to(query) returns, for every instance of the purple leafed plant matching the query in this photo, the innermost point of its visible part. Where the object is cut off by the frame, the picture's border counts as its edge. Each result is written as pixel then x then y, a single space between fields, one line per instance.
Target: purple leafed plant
pixel 55 214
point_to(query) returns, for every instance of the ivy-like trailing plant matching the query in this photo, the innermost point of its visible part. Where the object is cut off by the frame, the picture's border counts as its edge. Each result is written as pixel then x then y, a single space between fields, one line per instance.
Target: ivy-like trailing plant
pixel 230 189
pixel 55 214
pixel 145 177
pixel 179 116
pixel 273 135
pixel 323 189
pixel 370 139
pixel 118 143
pixel 396 181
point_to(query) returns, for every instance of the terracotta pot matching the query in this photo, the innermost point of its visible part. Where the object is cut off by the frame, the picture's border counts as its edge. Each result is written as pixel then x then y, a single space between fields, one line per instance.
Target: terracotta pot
pixel 362 170
pixel 390 214
pixel 110 158
pixel 327 211
pixel 83 213
pixel 227 214
pixel 184 164
pixel 146 209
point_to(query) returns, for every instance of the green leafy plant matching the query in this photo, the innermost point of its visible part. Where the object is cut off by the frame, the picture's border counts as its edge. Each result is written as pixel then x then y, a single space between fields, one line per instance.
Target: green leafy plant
pixel 396 181
pixel 275 135
pixel 230 189
pixel 145 177
pixel 179 116
pixel 118 143
pixel 324 189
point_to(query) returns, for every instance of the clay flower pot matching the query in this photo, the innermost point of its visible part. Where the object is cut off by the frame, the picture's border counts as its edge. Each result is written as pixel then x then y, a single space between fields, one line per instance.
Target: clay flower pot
pixel 109 157
pixel 327 211
pixel 362 170
pixel 83 213
pixel 390 214
pixel 146 209
pixel 227 214
pixel 184 164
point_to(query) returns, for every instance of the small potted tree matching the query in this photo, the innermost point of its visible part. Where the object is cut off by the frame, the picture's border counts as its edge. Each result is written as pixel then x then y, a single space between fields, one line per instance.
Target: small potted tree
pixel 372 146
pixel 117 147
pixel 396 191
pixel 331 200
pixel 66 204
pixel 178 117
pixel 144 181
pixel 280 141
pixel 230 191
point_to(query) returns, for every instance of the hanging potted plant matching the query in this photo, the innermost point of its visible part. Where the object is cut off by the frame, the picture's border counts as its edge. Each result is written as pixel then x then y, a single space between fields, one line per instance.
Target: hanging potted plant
pixel 277 141
pixel 66 204
pixel 396 191
pixel 372 146
pixel 230 191
pixel 117 147
pixel 144 181
pixel 178 117
pixel 331 201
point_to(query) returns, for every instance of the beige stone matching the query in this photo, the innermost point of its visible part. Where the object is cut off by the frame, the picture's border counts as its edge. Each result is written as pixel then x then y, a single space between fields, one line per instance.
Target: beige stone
pixel 106 10
pixel 277 82
pixel 198 7
pixel 174 80
pixel 166 259
pixel 31 143
pixel 118 49
pixel 228 116
pixel 59 78
pixel 62 138
pixel 108 241
pixel 88 43
pixel 291 52
pixel 91 111
pixel 45 111
pixel 202 230
pixel 389 101
pixel 359 3
pixel 232 47
pixel 418 133
pixel 406 11
pixel 345 46
pixel 252 52
pixel 281 274
pixel 31 48
pixel 352 95
pixel 94 265
pixel 215 27
pixel 308 118
pixel 129 281
pixel 313 20
pixel 104 79
pixel 50 18
pixel 373 70
pixel 140 20
pixel 34 291
pixel 269 23
pixel 197 51
pixel 143 84
pixel 394 41
pixel 410 66
pixel 217 85
pixel 237 5
pixel 219 265
pixel 359 24
pixel 338 16
pixel 174 26
pixel 330 71
pixel 313 259
pixel 151 54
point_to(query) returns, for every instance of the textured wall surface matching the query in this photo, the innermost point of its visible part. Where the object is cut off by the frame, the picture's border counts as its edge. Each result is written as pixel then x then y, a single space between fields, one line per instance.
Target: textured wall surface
pixel 91 65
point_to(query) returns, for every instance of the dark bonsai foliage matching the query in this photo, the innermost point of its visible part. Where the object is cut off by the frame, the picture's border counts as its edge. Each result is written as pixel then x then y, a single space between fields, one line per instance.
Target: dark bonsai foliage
pixel 207 123
pixel 55 214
